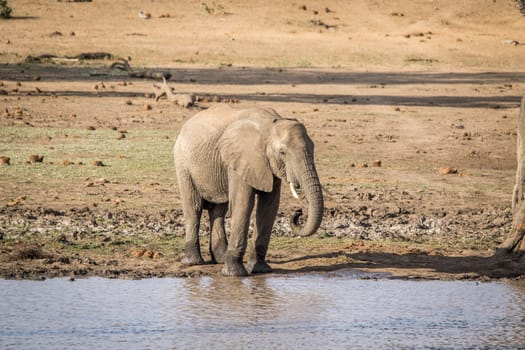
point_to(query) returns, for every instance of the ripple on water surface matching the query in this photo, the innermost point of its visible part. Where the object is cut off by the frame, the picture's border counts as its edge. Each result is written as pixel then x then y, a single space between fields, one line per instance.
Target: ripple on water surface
pixel 273 312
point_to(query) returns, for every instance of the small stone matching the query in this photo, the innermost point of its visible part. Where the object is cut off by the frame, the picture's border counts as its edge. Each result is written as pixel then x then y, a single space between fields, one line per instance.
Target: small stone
pixel 5 160
pixel 129 103
pixel 101 181
pixel 91 128
pixel 137 253
pixel 147 107
pixel 61 238
pixel 446 170
pixel 121 136
pixel 34 158
pixel 98 163
pixel 148 254
pixel 68 162
pixel 376 163
pixel 157 255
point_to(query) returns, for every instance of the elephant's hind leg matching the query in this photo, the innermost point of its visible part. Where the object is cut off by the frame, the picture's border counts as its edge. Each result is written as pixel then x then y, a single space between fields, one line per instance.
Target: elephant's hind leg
pixel 218 242
pixel 192 210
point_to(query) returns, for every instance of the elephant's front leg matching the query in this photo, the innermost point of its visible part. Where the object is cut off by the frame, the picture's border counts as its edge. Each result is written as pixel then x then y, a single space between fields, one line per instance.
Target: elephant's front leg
pixel 266 211
pixel 242 198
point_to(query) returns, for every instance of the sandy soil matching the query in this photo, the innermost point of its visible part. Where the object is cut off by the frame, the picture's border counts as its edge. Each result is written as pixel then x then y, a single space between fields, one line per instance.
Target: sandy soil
pixel 412 106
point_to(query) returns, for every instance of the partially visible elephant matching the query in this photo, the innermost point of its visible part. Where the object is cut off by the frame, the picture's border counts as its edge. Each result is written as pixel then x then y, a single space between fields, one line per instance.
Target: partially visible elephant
pixel 227 158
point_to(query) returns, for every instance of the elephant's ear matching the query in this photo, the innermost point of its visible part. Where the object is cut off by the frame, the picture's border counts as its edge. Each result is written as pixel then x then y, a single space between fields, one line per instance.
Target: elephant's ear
pixel 242 149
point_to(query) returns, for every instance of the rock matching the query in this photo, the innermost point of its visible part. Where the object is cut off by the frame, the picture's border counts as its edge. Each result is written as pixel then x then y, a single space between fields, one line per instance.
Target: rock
pixel 61 238
pixel 510 42
pixel 68 162
pixel 446 170
pixel 376 163
pixel 147 107
pixel 34 158
pixel 91 128
pixel 144 15
pixel 98 163
pixel 184 100
pixel 5 160
pixel 101 181
pixel 157 255
pixel 137 253
pixel 148 254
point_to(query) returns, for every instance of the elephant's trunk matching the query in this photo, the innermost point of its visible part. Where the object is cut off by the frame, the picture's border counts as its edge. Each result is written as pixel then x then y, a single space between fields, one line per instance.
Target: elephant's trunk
pixel 312 192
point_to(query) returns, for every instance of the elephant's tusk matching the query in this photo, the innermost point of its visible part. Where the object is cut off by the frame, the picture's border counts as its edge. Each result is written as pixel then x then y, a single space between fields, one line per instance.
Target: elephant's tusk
pixel 294 193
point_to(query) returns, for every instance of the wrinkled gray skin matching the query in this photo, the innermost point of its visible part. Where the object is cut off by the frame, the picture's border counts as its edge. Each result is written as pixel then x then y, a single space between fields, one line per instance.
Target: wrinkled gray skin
pixel 226 159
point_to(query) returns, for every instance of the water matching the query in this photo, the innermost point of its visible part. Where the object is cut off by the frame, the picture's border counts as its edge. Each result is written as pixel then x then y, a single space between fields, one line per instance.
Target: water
pixel 335 311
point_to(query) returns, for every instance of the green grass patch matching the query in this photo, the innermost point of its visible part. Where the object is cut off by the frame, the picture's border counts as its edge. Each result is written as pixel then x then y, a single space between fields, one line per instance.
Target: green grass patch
pixel 143 155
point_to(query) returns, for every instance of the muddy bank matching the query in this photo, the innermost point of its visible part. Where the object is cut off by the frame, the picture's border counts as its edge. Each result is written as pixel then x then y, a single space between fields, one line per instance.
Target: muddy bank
pixel 478 228
pixel 403 241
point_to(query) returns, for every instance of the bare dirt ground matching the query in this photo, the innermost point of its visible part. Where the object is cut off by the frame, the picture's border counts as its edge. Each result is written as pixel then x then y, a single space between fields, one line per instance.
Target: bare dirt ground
pixel 412 106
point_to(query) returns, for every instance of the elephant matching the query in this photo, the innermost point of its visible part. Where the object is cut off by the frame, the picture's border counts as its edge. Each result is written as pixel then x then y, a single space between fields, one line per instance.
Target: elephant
pixel 229 161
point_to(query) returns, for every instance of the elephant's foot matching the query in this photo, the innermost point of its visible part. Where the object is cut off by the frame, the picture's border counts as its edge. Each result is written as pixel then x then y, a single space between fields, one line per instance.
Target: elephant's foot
pixel 233 266
pixel 258 266
pixel 236 270
pixel 191 258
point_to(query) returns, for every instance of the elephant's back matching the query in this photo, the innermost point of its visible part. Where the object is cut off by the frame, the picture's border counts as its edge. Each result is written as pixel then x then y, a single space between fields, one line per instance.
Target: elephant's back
pixel 199 134
pixel 214 119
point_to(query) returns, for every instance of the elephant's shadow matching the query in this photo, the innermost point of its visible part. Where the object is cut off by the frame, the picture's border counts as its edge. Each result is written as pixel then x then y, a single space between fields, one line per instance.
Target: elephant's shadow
pixel 407 265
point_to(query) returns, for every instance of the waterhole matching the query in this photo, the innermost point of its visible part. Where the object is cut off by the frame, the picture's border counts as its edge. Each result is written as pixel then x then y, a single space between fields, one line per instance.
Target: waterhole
pixel 336 311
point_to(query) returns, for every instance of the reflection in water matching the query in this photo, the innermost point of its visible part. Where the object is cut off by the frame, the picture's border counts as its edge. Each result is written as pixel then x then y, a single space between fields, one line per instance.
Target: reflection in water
pixel 303 311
